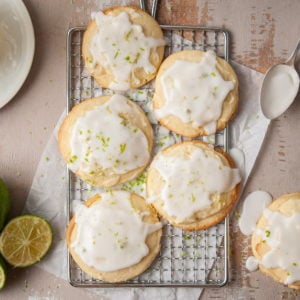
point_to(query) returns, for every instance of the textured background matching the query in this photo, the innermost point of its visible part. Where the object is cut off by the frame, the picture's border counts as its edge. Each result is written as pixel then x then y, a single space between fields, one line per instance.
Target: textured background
pixel 262 34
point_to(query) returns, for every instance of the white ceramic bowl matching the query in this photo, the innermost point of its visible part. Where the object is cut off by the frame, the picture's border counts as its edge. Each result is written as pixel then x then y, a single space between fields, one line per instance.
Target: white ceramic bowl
pixel 16 47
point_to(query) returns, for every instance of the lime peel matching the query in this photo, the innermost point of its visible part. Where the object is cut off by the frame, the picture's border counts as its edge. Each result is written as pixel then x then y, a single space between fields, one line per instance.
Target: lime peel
pixel 4 203
pixel 3 272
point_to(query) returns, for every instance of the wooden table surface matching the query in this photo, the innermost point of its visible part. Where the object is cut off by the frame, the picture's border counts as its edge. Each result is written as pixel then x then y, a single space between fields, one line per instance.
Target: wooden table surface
pixel 263 32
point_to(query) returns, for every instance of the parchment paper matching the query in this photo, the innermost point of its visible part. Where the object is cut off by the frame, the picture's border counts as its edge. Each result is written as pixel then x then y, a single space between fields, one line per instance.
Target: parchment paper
pixel 47 196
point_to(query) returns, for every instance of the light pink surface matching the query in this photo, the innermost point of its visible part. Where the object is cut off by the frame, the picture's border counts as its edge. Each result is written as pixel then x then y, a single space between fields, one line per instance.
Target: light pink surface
pixel 262 32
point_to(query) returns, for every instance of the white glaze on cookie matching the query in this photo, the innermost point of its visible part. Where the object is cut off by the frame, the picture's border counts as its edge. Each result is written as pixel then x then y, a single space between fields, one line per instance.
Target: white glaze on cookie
pixel 194 92
pixel 110 234
pixel 121 46
pixel 104 138
pixel 281 235
pixel 189 182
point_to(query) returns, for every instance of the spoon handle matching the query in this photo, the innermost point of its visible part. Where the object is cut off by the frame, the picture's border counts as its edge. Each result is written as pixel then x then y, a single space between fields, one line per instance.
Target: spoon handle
pixel 154 8
pixel 291 60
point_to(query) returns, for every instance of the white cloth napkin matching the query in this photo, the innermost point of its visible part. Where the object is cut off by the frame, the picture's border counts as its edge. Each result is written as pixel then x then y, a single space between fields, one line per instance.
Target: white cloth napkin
pixel 47 196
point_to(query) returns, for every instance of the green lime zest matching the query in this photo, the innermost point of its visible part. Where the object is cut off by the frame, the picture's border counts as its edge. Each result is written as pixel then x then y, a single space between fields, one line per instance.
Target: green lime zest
pixel 73 159
pixel 122 148
pixel 127 36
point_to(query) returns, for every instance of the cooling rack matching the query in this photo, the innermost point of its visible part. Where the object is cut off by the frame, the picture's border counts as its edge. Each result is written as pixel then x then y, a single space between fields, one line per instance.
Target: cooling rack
pixel 186 259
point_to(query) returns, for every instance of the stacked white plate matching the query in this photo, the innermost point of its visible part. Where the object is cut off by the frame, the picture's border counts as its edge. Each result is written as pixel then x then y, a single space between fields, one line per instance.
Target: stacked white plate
pixel 16 47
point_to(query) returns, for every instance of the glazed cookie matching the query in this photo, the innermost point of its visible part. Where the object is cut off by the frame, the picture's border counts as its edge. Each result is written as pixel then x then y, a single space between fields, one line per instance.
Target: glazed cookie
pixel 115 236
pixel 123 47
pixel 196 93
pixel 106 140
pixel 192 185
pixel 275 242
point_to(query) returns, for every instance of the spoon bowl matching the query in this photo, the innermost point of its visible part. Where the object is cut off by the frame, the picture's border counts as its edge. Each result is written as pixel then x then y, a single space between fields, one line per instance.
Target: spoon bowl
pixel 280 87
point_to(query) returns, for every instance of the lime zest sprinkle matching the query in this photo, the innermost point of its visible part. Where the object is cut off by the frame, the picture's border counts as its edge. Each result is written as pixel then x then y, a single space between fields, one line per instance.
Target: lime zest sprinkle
pixel 124 121
pixel 89 60
pixel 73 159
pixel 122 148
pixel 187 237
pixel 193 198
pixel 121 242
pixel 108 109
pixel 117 53
pixel 47 158
pixel 104 141
pixel 198 239
pixel 127 36
pixel 236 215
pixel 161 140
pixel 268 233
pixel 100 171
pixel 138 182
pixel 183 254
pixel 213 74
pixel 138 55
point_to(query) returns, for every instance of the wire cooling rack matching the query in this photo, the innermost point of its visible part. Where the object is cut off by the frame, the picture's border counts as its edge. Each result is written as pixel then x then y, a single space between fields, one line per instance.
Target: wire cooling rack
pixel 190 259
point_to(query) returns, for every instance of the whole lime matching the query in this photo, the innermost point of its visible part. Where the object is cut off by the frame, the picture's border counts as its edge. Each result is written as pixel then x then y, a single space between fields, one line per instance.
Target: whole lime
pixel 4 203
pixel 3 271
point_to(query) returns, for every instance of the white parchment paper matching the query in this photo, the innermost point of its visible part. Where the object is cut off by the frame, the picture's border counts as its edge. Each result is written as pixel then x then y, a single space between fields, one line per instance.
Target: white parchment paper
pixel 47 196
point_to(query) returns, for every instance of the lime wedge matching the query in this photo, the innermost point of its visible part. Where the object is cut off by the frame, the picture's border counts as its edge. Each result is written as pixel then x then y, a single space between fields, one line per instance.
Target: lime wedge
pixel 4 203
pixel 25 240
pixel 2 273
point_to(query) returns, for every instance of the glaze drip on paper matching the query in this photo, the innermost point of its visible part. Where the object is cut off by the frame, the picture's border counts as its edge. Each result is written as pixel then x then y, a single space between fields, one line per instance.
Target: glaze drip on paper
pixel 253 207
pixel 251 264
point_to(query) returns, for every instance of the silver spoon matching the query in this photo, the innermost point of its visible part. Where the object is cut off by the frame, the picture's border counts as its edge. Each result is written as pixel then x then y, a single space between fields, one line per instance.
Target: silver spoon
pixel 280 87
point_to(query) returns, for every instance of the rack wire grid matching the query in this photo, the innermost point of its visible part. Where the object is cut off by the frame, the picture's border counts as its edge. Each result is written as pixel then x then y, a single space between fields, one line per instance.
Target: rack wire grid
pixel 186 259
